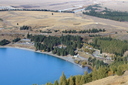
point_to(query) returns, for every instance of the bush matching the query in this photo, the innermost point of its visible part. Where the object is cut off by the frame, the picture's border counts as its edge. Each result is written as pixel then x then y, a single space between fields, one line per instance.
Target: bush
pixel 4 42
pixel 25 28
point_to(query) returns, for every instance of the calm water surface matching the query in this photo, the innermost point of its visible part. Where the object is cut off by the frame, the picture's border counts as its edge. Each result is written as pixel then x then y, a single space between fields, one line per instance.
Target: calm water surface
pixel 23 67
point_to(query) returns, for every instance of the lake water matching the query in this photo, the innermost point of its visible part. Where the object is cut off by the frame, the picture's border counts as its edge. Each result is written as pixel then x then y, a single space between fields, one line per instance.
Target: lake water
pixel 23 67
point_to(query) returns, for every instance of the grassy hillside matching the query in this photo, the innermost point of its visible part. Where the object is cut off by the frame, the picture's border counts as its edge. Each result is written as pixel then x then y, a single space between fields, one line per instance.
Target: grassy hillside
pixel 112 80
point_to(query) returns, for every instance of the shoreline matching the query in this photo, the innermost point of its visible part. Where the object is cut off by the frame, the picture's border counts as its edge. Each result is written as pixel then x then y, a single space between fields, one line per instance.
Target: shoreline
pixel 66 58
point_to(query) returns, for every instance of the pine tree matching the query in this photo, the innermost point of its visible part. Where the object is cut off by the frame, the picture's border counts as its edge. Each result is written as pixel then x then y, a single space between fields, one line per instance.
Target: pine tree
pixel 78 78
pixel 71 82
pixel 102 72
pixel 28 36
pixel 119 71
pixel 63 80
pixel 94 74
pixel 56 83
pixel 49 84
pixel 82 81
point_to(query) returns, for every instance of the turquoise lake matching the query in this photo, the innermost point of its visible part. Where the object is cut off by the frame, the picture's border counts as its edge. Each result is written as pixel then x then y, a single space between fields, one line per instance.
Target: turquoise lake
pixel 24 67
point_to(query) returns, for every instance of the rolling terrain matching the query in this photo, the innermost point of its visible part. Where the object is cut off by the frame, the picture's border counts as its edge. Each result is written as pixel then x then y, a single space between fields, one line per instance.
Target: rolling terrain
pixel 11 21
pixel 112 80
pixel 65 4
pixel 38 20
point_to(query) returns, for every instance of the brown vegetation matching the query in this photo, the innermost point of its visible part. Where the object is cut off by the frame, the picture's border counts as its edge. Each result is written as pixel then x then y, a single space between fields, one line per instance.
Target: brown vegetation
pixel 112 80
pixel 13 20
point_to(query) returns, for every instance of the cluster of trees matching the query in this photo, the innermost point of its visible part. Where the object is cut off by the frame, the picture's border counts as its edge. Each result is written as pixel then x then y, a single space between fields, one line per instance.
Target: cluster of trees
pixel 49 31
pixel 110 45
pixel 69 31
pixel 97 35
pixel 93 7
pixel 85 31
pixel 62 45
pixel 36 10
pixel 25 28
pixel 4 42
pixel 90 51
pixel 96 63
pixel 56 30
pixel 108 14
pixel 87 48
pixel 16 40
pixel 44 10
pixel 45 31
pixel 81 62
pixel 117 67
pixel 64 51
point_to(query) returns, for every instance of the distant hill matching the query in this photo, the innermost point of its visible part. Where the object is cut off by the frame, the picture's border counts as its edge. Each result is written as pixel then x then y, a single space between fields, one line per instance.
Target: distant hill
pixel 65 4
pixel 46 4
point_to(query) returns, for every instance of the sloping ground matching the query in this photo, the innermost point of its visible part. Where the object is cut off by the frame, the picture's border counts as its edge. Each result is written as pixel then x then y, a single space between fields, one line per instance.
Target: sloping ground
pixel 45 20
pixel 39 20
pixel 112 80
pixel 119 5
pixel 61 21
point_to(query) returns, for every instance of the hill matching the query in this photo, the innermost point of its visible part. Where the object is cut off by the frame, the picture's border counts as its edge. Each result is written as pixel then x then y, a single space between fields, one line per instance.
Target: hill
pixel 65 4
pixel 112 80
pixel 38 20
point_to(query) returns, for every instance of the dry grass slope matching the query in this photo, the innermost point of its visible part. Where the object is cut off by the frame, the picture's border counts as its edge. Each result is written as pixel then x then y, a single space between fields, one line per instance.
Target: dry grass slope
pixel 40 20
pixel 112 80
pixel 45 20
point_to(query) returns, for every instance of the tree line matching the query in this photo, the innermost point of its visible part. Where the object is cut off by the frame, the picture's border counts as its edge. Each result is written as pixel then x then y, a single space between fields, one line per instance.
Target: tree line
pixel 62 45
pixel 109 45
pixel 108 14
pixel 16 40
pixel 4 42
pixel 45 31
pixel 36 10
pixel 118 67
pixel 95 63
pixel 25 28
pixel 97 35
pixel 84 31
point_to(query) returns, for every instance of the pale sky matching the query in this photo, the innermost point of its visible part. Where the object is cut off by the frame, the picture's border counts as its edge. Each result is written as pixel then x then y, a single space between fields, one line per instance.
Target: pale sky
pixel 11 2
pixel 37 0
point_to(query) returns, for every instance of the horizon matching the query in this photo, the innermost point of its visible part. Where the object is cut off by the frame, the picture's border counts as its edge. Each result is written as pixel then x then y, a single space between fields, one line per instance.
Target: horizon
pixel 41 4
pixel 36 1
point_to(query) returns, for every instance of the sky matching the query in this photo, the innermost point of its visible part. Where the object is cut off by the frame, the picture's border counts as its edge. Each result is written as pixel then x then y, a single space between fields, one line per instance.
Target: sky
pixel 11 2
pixel 36 0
